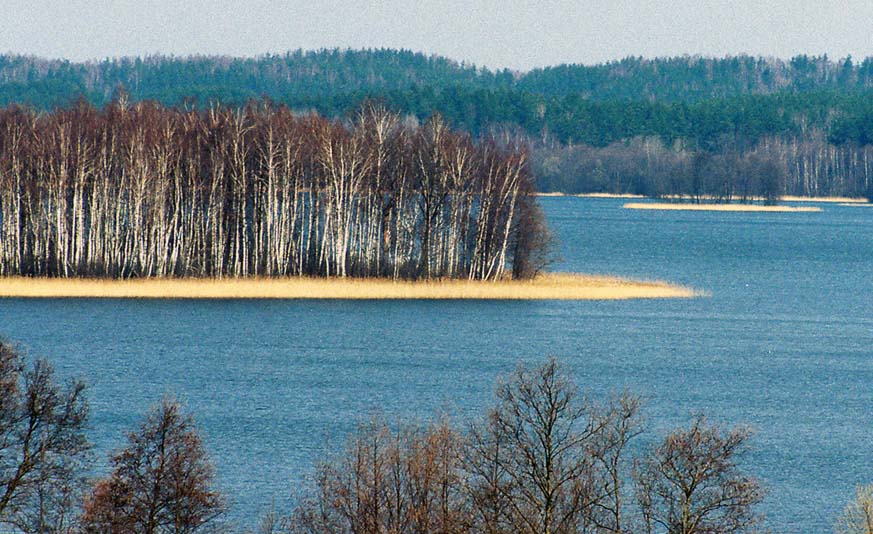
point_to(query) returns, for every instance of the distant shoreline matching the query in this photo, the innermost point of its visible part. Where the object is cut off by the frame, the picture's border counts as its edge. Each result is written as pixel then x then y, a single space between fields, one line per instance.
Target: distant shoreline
pixel 839 200
pixel 591 195
pixel 558 286
pixel 786 198
pixel 666 206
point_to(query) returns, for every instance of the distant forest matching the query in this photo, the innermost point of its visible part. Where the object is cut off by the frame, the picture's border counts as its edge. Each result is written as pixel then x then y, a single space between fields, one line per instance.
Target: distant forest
pixel 732 128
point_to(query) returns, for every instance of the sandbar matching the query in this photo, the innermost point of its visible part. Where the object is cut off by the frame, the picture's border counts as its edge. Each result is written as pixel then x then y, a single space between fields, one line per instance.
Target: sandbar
pixel 717 207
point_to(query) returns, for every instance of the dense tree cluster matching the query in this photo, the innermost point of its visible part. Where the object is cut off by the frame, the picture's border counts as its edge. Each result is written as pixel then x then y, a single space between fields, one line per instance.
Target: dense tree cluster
pixel 144 190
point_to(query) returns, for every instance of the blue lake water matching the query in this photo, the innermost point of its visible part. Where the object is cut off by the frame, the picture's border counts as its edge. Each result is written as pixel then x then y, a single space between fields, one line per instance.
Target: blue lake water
pixel 784 343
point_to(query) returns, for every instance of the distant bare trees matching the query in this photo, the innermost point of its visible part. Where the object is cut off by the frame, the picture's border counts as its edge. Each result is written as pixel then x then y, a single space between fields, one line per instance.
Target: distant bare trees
pixel 145 190
pixel 772 166
pixel 545 460
pixel 42 446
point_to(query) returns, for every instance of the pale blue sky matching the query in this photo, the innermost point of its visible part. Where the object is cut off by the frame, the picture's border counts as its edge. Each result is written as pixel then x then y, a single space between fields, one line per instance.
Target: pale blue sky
pixel 518 35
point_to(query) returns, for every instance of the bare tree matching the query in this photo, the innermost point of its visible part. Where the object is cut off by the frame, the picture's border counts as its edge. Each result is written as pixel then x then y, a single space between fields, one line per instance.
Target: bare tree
pixel 387 480
pixel 857 517
pixel 43 448
pixel 162 482
pixel 544 460
pixel 691 483
pixel 538 463
pixel 622 423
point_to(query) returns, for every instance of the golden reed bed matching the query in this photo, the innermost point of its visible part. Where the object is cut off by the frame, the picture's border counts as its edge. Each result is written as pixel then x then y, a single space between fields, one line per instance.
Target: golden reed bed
pixel 716 207
pixel 545 287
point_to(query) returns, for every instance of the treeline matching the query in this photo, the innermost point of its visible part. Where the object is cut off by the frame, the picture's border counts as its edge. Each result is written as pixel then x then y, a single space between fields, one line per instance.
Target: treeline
pixel 542 459
pixel 330 72
pixel 816 112
pixel 145 190
pixel 690 98
pixel 773 167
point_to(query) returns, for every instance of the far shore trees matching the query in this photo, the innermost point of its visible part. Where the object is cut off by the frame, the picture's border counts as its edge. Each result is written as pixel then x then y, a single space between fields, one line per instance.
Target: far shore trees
pixel 144 190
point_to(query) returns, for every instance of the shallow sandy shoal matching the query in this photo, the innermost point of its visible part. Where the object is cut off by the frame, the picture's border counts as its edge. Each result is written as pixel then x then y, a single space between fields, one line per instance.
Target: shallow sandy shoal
pixel 840 200
pixel 787 198
pixel 716 207
pixel 545 287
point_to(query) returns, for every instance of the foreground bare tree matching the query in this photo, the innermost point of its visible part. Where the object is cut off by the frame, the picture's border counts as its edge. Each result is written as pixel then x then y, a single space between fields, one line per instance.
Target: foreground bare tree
pixel 691 483
pixel 543 438
pixel 387 480
pixel 547 460
pixel 622 422
pixel 42 445
pixel 544 460
pixel 162 482
pixel 857 518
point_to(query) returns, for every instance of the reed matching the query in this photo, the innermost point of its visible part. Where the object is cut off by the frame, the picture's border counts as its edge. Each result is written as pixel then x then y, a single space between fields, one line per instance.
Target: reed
pixel 544 287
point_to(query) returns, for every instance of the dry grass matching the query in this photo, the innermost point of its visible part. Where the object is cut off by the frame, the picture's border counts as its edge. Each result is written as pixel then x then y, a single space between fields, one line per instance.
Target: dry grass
pixel 545 287
pixel 716 207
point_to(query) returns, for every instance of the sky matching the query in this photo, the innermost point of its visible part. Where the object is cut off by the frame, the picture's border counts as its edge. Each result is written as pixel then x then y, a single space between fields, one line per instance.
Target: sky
pixel 519 35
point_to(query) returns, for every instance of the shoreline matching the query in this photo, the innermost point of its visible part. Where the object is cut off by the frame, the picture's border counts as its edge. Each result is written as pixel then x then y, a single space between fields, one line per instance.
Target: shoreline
pixel 592 195
pixel 838 200
pixel 664 206
pixel 855 201
pixel 552 286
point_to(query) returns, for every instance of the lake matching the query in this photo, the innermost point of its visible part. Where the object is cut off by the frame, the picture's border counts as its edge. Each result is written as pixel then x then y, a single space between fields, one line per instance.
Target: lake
pixel 783 343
